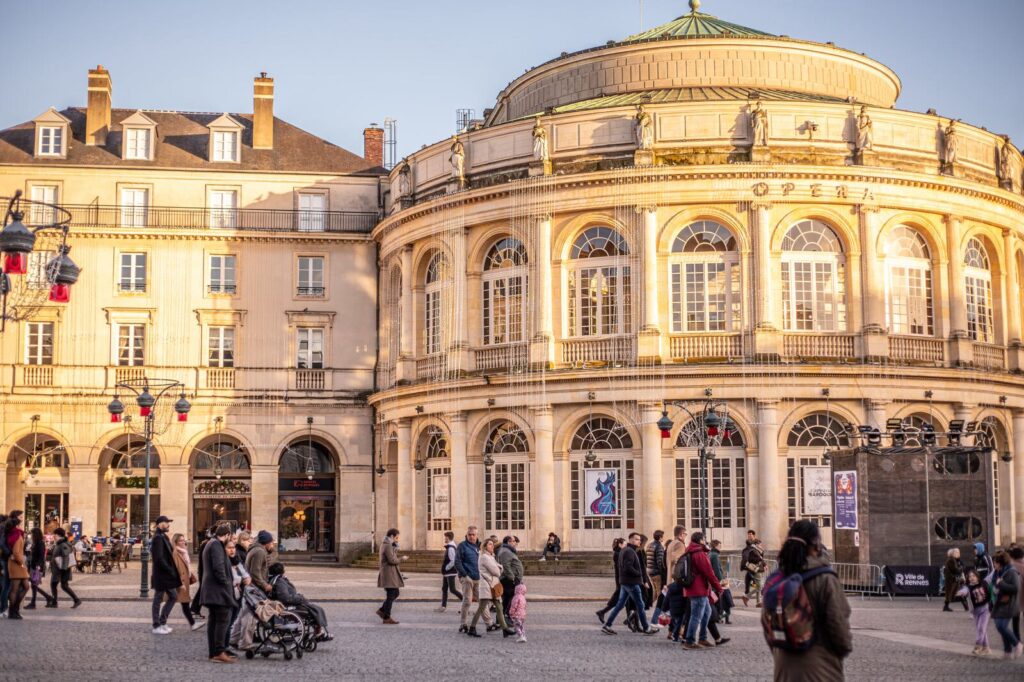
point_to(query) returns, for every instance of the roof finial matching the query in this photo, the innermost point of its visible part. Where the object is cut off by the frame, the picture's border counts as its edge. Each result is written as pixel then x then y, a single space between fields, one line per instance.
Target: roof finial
pixel 694 6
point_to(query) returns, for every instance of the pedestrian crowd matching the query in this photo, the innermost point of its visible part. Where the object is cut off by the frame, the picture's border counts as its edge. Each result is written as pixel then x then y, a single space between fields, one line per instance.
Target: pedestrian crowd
pixel 992 589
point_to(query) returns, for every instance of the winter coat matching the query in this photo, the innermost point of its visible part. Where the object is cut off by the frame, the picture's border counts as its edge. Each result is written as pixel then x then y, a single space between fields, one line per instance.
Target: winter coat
pixel 448 562
pixel 161 553
pixel 673 552
pixel 1008 587
pixel 752 554
pixel 984 566
pixel 511 566
pixel 389 575
pixel 615 563
pixel 823 662
pixel 285 592
pixel 517 607
pixel 62 551
pixel 631 571
pixel 181 563
pixel 704 580
pixel 676 600
pixel 217 588
pixel 1019 565
pixel 490 575
pixel 952 572
pixel 716 563
pixel 257 562
pixel 37 557
pixel 17 567
pixel 656 565
pixel 467 556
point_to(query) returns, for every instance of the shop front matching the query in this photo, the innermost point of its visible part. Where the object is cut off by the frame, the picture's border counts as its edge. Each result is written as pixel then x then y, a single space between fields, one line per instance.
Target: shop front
pixel 307 500
pixel 124 486
pixel 221 487
pixel 42 464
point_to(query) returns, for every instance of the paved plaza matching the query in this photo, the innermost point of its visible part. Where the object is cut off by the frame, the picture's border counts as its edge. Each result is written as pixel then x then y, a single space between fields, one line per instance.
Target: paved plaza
pixel 109 638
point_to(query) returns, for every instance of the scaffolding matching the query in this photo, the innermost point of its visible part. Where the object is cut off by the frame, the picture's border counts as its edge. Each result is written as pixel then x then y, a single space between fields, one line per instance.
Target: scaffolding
pixel 463 119
pixel 390 143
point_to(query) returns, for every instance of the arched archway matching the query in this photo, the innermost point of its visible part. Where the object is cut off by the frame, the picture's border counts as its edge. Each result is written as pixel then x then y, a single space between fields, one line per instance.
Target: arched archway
pixel 307 504
pixel 601 472
pixel 506 478
pixel 221 483
pixel 807 442
pixel 41 462
pixel 123 467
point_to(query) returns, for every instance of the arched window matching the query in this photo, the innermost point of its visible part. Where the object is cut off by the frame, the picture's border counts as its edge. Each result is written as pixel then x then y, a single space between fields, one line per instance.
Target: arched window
pixel 505 438
pixel 726 480
pixel 602 494
pixel 599 284
pixel 994 436
pixel 818 430
pixel 223 453
pixel 436 446
pixel 601 433
pixel 908 283
pixel 436 282
pixel 40 452
pixel 978 289
pixel 704 278
pixel 505 282
pixel 306 457
pixel 690 436
pixel 915 424
pixel 813 279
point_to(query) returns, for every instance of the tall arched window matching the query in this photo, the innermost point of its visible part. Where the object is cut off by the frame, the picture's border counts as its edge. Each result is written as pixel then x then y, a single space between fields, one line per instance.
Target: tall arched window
pixel 908 283
pixel 438 463
pixel 813 279
pixel 726 479
pixel 600 284
pixel 995 438
pixel 602 490
pixel 807 440
pixel 437 281
pixel 978 290
pixel 505 288
pixel 704 278
pixel 507 483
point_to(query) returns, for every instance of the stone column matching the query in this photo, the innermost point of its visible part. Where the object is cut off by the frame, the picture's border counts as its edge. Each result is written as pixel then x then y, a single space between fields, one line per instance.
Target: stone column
pixel 175 497
pixel 1018 472
pixel 83 497
pixel 767 311
pixel 405 368
pixel 876 344
pixel 458 350
pixel 1015 345
pixel 543 493
pixel 961 348
pixel 877 414
pixel 459 488
pixel 649 339
pixel 652 490
pixel 404 498
pixel 542 349
pixel 770 494
pixel 265 496
pixel 964 411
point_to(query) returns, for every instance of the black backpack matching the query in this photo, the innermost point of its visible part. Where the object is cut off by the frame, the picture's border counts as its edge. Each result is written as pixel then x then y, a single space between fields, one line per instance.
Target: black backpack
pixel 683 572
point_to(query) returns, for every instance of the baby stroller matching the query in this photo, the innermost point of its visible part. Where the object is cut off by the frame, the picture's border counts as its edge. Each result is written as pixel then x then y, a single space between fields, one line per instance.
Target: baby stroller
pixel 281 632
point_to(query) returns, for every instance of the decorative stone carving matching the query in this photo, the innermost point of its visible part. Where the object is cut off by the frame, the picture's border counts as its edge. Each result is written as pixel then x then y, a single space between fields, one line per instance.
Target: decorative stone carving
pixel 458 160
pixel 541 150
pixel 404 179
pixel 950 147
pixel 865 130
pixel 759 125
pixel 1007 165
pixel 644 129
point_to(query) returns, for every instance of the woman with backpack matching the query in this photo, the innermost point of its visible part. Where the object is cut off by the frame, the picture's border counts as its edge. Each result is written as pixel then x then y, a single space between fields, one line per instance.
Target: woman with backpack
pixel 62 560
pixel 822 661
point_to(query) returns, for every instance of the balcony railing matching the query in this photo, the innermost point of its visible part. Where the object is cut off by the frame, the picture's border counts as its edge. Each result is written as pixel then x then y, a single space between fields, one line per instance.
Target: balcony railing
pixel 507 357
pixel 220 289
pixel 989 357
pixel 606 350
pixel 821 345
pixel 431 366
pixel 917 349
pixel 128 374
pixel 706 346
pixel 310 380
pixel 310 292
pixel 38 375
pixel 220 377
pixel 257 219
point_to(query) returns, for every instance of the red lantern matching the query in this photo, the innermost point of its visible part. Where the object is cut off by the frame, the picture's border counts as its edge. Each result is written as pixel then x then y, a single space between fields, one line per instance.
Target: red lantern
pixel 115 418
pixel 712 431
pixel 183 416
pixel 60 293
pixel 144 411
pixel 16 263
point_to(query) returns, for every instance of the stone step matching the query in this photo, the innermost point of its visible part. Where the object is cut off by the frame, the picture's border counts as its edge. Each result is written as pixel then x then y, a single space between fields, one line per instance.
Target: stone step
pixel 569 563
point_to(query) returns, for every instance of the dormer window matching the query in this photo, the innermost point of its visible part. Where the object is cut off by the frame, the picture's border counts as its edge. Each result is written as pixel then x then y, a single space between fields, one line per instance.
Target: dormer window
pixel 138 133
pixel 225 139
pixel 52 132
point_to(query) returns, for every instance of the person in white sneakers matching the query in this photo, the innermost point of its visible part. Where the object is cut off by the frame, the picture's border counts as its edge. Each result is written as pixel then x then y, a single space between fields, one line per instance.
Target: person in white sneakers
pixel 164 578
pixel 183 563
pixel 553 546
pixel 448 572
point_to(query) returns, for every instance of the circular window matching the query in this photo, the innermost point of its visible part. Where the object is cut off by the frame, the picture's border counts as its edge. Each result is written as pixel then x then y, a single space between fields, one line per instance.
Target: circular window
pixel 917 464
pixel 887 465
pixel 958 528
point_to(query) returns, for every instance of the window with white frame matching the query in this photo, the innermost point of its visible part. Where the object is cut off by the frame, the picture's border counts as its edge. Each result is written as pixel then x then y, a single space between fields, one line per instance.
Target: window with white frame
pixel 133 273
pixel 312 212
pixel 222 274
pixel 225 145
pixel 134 207
pixel 131 345
pixel 813 279
pixel 51 141
pixel 39 343
pixel 504 292
pixel 41 214
pixel 221 347
pixel 311 277
pixel 978 290
pixel 136 142
pixel 599 284
pixel 436 284
pixel 507 484
pixel 309 348
pixel 807 440
pixel 723 487
pixel 908 283
pixel 223 208
pixel 704 278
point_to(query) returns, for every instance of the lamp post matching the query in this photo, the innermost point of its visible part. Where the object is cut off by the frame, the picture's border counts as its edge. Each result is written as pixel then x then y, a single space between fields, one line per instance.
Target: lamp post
pixel 713 427
pixel 147 403
pixel 18 241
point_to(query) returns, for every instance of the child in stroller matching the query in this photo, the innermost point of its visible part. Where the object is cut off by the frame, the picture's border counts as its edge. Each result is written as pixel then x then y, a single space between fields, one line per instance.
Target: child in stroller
pixel 286 593
pixel 265 627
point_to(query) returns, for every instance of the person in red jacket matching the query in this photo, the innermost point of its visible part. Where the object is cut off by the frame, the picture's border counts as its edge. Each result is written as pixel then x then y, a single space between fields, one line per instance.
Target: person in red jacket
pixel 704 581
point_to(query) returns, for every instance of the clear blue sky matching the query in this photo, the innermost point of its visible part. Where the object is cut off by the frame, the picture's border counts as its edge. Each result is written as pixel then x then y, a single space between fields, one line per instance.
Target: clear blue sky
pixel 342 64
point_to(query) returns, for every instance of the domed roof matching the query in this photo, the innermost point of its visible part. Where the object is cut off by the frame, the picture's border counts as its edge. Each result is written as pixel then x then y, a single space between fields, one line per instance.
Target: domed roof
pixel 695 25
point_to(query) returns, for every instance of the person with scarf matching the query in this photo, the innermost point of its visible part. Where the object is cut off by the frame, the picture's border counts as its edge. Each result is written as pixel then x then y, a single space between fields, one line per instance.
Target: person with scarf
pixel 183 562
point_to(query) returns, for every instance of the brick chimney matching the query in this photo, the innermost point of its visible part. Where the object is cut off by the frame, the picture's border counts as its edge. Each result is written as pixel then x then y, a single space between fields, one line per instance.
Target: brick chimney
pixel 263 112
pixel 97 116
pixel 373 145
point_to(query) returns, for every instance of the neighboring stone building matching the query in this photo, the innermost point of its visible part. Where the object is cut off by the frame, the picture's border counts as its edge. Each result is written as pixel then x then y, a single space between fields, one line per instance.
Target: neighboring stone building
pixel 705 206
pixel 230 252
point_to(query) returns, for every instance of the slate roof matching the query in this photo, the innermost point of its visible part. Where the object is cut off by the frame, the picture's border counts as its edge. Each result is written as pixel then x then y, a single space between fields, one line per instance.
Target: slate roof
pixel 182 141
pixel 695 25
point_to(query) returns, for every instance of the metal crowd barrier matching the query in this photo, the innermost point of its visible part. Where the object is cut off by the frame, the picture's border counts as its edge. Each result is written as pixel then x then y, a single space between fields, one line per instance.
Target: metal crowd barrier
pixel 863 579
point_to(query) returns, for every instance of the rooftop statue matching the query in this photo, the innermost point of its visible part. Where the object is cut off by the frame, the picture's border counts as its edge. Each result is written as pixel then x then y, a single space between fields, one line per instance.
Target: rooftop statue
pixel 951 143
pixel 458 158
pixel 541 152
pixel 865 130
pixel 644 128
pixel 1007 158
pixel 759 125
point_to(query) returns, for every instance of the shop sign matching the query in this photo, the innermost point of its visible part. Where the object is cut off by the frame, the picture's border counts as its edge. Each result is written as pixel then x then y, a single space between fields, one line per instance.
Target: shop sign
pixel 305 485
pixel 223 488
pixel 817 490
pixel 136 482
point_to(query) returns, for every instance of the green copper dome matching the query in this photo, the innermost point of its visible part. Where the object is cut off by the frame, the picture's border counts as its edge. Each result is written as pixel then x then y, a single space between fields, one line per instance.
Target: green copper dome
pixel 695 25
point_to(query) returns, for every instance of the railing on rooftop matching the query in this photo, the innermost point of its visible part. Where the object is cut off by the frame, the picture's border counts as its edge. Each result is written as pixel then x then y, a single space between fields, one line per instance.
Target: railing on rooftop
pixel 248 219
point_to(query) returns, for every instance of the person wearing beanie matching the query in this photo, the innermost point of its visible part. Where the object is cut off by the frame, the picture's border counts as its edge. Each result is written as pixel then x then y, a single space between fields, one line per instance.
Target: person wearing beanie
pixel 257 561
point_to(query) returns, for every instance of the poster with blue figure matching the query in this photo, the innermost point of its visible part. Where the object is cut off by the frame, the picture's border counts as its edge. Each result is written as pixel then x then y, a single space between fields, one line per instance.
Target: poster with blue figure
pixel 602 492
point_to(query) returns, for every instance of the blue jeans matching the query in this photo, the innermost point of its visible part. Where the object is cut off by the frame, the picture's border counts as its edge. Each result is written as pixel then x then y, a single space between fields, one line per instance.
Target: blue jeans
pixel 700 614
pixel 1006 632
pixel 633 593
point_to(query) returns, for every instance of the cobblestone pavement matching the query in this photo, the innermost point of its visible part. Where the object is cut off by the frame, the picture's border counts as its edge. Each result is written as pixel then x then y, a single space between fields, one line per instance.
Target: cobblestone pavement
pixel 110 640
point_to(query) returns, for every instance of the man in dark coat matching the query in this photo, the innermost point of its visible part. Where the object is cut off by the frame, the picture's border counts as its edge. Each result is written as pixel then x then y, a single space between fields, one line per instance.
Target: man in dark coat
pixel 218 593
pixel 165 577
pixel 631 577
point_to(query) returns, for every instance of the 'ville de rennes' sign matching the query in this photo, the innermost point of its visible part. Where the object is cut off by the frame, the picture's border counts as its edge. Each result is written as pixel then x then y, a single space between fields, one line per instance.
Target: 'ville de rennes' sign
pixel 305 485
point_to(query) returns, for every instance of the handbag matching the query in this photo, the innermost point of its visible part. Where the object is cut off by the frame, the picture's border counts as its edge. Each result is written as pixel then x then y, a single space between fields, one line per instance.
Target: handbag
pixel 497 590
pixel 36 577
